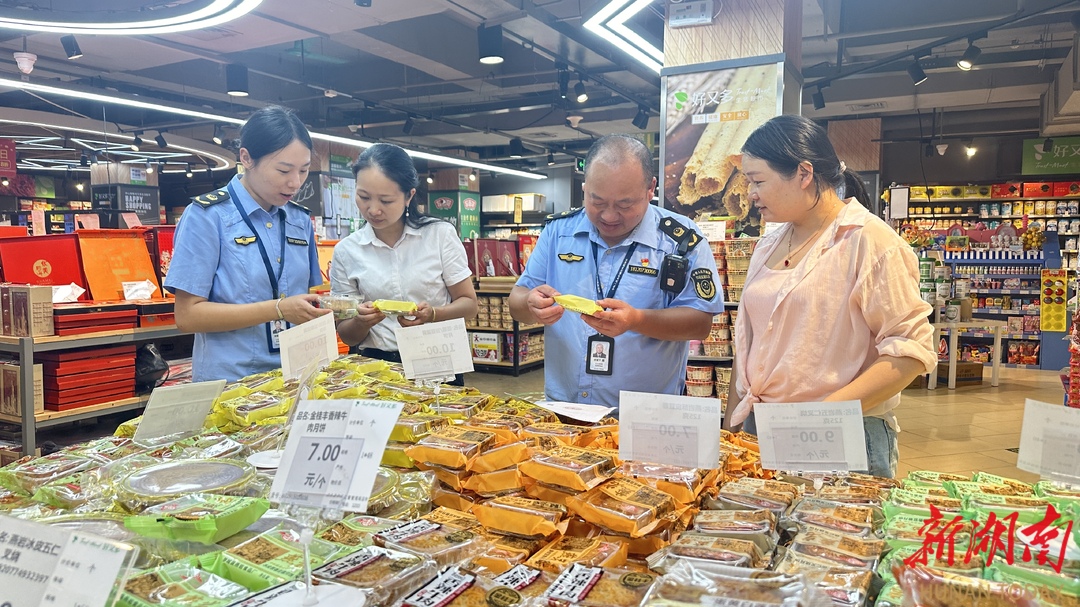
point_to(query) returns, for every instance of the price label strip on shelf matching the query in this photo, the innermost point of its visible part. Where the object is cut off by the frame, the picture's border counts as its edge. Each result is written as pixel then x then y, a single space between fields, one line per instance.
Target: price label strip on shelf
pixel 811 437
pixel 56 567
pixel 1050 441
pixel 333 453
pixel 174 410
pixel 315 340
pixel 434 350
pixel 667 429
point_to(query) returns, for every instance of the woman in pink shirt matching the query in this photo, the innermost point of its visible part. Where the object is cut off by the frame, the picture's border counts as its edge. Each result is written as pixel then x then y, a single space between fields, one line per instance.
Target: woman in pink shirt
pixel 831 308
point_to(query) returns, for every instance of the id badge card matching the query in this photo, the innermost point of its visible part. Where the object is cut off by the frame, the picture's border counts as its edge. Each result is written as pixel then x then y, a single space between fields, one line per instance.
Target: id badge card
pixel 273 334
pixel 599 354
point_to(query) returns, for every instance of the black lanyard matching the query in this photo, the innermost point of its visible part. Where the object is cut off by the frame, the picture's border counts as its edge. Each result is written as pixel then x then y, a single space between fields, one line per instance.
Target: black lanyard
pixel 618 275
pixel 274 279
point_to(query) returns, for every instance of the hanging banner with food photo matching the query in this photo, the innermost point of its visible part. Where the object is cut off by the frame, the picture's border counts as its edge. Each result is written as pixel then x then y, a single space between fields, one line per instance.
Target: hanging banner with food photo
pixel 709 110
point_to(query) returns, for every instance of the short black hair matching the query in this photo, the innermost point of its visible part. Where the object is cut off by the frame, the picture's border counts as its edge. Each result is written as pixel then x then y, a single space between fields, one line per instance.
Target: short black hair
pixel 271 129
pixel 612 149
pixel 788 140
pixel 395 163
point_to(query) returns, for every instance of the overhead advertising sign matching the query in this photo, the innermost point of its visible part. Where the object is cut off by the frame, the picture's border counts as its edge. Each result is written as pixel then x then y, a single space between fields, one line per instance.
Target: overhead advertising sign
pixel 1063 157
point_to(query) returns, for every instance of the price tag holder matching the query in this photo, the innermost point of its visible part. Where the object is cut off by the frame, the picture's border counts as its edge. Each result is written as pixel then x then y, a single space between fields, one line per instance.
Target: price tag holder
pixel 583 413
pixel 139 289
pixel 1050 441
pixel 668 429
pixel 714 230
pixel 131 219
pixel 333 453
pixel 314 340
pixel 174 410
pixel 811 437
pixel 56 567
pixel 438 349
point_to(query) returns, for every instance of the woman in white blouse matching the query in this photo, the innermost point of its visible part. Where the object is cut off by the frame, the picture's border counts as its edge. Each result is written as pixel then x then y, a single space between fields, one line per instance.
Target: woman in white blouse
pixel 399 254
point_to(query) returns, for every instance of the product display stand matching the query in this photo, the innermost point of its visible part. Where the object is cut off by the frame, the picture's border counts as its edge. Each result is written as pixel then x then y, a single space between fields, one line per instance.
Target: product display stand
pixel 25 347
pixel 515 364
pixel 954 329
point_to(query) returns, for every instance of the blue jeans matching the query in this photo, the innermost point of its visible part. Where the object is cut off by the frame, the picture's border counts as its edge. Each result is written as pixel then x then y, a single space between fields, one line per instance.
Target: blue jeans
pixel 882 451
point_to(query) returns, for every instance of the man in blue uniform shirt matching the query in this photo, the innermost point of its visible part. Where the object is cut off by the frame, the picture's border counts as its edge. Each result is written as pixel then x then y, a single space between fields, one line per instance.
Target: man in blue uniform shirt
pixel 649 269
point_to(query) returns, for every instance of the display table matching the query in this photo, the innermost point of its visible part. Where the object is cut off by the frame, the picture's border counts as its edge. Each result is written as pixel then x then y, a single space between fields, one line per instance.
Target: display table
pixel 954 329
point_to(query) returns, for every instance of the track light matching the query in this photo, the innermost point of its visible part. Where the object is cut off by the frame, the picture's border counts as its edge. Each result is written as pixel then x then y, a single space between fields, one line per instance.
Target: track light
pixel 918 76
pixel 1048 145
pixel 641 120
pixel 551 159
pixel 190 173
pixel 137 142
pixel 93 158
pixel 79 186
pixel 160 139
pixel 430 179
pixel 71 46
pixel 971 149
pixel 472 176
pixel 236 80
pixel 517 148
pixel 579 91
pixel 928 151
pixel 564 83
pixel 490 41
pixel 407 128
pixel 84 160
pixel 819 99
pixel 149 168
pixel 219 135
pixel 5 182
pixel 967 60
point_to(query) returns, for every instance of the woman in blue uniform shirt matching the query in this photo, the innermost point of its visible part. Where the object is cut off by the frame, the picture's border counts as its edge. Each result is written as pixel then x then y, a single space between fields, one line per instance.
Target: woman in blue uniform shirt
pixel 244 257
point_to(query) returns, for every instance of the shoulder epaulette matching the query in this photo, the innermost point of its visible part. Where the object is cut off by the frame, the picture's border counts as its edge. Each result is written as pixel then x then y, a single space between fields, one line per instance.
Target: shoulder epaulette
pixel 678 232
pixel 563 215
pixel 211 198
pixel 300 206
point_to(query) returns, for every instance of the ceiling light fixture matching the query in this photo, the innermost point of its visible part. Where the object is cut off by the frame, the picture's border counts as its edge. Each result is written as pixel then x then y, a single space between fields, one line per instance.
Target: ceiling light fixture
pixel 149 168
pixel 137 142
pixel 610 24
pixel 407 128
pixel 1048 145
pixel 209 173
pixel 517 148
pixel 160 139
pixel 967 60
pixel 941 147
pixel 5 182
pixel 490 42
pixel 579 90
pixel 219 135
pixel 472 176
pixel 928 151
pixel 88 95
pixel 236 80
pixel 84 160
pixel 79 186
pixel 918 76
pixel 190 173
pixel 71 46
pixel 551 159
pixel 207 15
pixel 641 120
pixel 430 179
pixel 819 99
pixel 564 83
pixel 971 149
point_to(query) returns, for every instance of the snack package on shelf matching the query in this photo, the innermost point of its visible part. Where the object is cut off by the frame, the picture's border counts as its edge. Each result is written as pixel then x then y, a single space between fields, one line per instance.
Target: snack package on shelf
pixel 269 558
pixel 161 482
pixel 25 476
pixel 528 582
pixel 355 532
pixel 565 551
pixel 599 587
pixel 700 547
pixel 570 467
pixel 834 516
pixel 443 544
pixel 451 447
pixel 198 517
pixel 180 583
pixel 412 428
pixel 625 506
pixel 507 552
pixel 524 517
pixel 931 588
pixel 683 484
pixel 689 584
pixel 568 434
pixel 386 575
pixel 499 458
pixel 830 549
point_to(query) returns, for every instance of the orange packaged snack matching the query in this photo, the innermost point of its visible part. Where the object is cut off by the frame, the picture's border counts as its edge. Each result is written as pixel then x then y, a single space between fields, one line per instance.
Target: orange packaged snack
pixel 565 433
pixel 570 467
pixel 452 518
pixel 625 506
pixel 456 587
pixel 451 447
pixel 565 551
pixel 499 458
pixel 507 552
pixel 683 484
pixel 506 426
pixel 495 483
pixel 443 544
pixel 522 408
pixel 522 516
pixel 599 587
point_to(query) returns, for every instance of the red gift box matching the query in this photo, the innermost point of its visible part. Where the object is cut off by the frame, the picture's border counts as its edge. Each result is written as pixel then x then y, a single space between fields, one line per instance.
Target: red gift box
pixel 1067 188
pixel 159 242
pixel 526 244
pixel 507 261
pixel 42 260
pixel 487 255
pixel 1011 189
pixel 1034 189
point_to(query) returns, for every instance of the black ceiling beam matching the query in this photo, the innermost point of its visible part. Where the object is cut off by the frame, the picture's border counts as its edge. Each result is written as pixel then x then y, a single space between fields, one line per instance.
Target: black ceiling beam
pixel 985 60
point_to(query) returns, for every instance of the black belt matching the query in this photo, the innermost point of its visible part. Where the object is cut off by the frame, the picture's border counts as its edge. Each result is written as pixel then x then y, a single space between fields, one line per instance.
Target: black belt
pixel 393 357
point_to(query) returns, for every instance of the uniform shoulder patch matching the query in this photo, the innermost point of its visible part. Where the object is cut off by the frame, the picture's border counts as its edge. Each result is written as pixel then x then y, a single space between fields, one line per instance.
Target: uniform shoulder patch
pixel 704 285
pixel 678 232
pixel 209 199
pixel 300 206
pixel 563 215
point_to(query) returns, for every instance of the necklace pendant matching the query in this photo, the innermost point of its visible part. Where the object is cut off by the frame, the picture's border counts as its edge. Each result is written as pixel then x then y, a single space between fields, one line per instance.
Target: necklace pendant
pixel 787 262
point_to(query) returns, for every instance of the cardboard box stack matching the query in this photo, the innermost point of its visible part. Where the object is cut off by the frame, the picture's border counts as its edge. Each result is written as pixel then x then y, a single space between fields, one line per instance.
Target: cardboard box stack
pixel 26 310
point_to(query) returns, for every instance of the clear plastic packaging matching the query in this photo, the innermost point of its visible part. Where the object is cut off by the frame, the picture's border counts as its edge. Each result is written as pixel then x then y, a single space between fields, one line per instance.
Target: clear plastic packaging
pixel 412 428
pixel 27 476
pixel 443 544
pixel 836 550
pixel 355 532
pixel 384 493
pixel 162 482
pixel 735 521
pixel 930 588
pixel 499 458
pixel 387 574
pixel 274 555
pixel 864 494
pixel 704 547
pixel 343 306
pixel 521 408
pixel 599 587
pixel 452 518
pixel 177 584
pixel 841 518
pixel 457 587
pixel 904 529
pixel 684 484
pixel 521 516
pixel 575 303
pixel 395 456
pixel 567 550
pixel 451 447
pixel 689 584
pixel 492 484
pixel 902 501
pixel 570 467
pixel 198 517
pixel 531 583
pixel 930 477
pixel 624 506
pixel 507 427
pixel 506 553
pixel 565 433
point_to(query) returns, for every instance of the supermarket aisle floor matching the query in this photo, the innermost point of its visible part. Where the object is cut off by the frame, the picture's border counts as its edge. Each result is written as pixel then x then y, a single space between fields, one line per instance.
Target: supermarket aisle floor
pixel 964 430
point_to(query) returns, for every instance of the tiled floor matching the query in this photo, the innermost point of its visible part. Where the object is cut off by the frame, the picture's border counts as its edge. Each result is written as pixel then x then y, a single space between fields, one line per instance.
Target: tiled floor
pixel 963 430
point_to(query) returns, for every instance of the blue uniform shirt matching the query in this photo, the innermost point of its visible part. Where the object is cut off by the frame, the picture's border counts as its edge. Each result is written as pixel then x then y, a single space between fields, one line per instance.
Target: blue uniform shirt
pixel 215 256
pixel 563 259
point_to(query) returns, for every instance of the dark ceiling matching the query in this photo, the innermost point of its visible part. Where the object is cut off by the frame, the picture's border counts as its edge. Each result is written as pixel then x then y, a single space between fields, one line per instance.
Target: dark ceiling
pixel 365 70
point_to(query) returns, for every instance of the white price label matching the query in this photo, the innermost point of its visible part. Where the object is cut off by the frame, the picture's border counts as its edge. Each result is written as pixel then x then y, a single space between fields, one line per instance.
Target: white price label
pixel 66 294
pixel 333 453
pixel 578 411
pixel 1050 441
pixel 434 350
pixel 714 230
pixel 43 565
pixel 811 437
pixel 315 340
pixel 668 429
pixel 139 289
pixel 174 410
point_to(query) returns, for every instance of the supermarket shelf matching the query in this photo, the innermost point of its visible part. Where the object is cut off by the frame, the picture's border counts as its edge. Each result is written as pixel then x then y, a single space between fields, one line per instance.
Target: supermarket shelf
pixel 710 359
pixel 1016 366
pixel 990 334
pixel 1007 291
pixel 51 418
pixel 508 365
pixel 731 304
pixel 1007 199
pixel 994 262
pixel 1005 311
pixel 489 226
pixel 65 342
pixel 1026 276
pixel 521 329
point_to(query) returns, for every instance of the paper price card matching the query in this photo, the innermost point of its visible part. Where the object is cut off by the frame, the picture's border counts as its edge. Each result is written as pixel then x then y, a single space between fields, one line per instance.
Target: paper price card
pixel 667 429
pixel 585 413
pixel 1050 441
pixel 333 453
pixel 43 566
pixel 315 340
pixel 438 349
pixel 177 410
pixel 139 289
pixel 811 437
pixel 292 594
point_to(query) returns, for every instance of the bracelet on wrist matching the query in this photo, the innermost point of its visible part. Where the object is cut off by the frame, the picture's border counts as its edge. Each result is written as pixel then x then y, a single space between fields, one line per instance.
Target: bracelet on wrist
pixel 433 315
pixel 277 307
